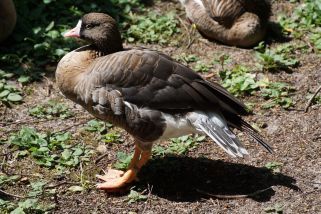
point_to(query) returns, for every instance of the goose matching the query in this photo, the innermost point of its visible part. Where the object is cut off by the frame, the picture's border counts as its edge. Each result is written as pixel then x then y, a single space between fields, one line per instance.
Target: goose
pixel 241 23
pixel 146 93
pixel 8 18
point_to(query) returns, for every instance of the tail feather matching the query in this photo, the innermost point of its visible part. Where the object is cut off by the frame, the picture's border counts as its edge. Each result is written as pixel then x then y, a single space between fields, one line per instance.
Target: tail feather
pixel 238 123
pixel 223 137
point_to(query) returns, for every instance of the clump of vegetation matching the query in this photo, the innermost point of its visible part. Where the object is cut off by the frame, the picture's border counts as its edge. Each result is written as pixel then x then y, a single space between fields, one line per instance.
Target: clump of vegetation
pixel 135 196
pixel 187 58
pixel 50 110
pixel 202 67
pixel 49 150
pixel 123 160
pixel 179 146
pixel 277 93
pixel 97 126
pixel 280 58
pixel 153 28
pixel 274 166
pixel 31 204
pixel 305 22
pixel 240 81
pixel 112 137
pixel 9 94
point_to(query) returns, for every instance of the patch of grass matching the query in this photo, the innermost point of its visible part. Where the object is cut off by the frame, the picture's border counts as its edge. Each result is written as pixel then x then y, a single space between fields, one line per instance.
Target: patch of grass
pixel 50 110
pixel 304 22
pixel 135 196
pixel 48 150
pixel 280 58
pixel 152 28
pixel 178 146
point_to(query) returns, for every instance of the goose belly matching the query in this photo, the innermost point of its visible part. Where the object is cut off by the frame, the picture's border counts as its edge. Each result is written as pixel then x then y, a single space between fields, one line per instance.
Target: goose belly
pixel 178 125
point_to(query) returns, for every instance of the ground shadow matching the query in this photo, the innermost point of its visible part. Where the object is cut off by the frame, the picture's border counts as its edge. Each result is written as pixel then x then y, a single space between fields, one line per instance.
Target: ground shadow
pixel 186 179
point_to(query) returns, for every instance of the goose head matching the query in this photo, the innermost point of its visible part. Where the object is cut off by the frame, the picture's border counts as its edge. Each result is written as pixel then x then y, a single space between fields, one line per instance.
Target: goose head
pixel 100 30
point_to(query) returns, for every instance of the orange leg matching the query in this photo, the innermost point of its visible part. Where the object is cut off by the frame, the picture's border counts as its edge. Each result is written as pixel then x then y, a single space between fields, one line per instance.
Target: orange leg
pixel 116 179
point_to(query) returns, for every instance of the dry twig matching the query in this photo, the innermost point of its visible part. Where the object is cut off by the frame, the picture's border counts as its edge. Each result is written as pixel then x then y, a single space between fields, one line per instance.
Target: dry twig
pixel 10 194
pixel 234 196
pixel 311 99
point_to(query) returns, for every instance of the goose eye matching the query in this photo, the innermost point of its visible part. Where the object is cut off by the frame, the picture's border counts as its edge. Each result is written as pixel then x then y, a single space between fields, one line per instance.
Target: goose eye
pixel 88 26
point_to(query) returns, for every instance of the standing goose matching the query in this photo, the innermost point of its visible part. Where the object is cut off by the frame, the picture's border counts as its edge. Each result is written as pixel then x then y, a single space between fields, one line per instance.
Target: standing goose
pixel 8 18
pixel 239 23
pixel 147 93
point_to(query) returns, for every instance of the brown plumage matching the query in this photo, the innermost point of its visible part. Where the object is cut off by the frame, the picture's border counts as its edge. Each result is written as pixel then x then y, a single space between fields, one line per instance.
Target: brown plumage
pixel 147 93
pixel 8 18
pixel 241 23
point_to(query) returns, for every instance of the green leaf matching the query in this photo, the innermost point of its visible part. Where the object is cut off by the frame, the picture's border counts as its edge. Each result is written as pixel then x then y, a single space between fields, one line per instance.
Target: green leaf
pixel 4 93
pixel 14 97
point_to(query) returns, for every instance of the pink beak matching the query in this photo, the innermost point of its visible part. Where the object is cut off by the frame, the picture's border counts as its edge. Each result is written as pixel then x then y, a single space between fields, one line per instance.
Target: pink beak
pixel 75 32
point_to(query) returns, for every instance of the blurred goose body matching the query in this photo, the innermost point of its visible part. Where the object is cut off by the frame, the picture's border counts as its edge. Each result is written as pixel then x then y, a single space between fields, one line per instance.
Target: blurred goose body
pixel 147 93
pixel 8 18
pixel 239 23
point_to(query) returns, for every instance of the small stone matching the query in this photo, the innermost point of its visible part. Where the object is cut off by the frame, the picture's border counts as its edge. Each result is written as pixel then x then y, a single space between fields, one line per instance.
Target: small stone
pixel 102 149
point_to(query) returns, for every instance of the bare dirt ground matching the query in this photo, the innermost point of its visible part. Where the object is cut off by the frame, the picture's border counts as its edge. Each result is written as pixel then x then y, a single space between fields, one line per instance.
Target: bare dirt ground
pixel 206 180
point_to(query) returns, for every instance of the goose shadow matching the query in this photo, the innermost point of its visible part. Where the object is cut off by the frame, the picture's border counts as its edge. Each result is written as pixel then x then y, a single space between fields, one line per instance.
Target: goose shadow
pixel 186 179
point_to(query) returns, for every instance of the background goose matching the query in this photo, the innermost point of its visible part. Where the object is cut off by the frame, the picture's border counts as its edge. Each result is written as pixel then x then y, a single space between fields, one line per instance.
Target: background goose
pixel 8 18
pixel 239 23
pixel 147 93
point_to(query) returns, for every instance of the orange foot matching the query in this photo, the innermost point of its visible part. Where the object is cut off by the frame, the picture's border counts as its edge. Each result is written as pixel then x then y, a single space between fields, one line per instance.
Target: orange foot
pixel 116 179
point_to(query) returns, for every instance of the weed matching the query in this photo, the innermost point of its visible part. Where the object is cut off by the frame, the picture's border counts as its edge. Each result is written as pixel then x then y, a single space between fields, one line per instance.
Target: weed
pixel 274 166
pixel 153 28
pixel 277 93
pixel 201 67
pixel 135 196
pixel 32 204
pixel 51 109
pixel 123 161
pixel 112 137
pixel 280 58
pixel 4 179
pixel 239 80
pixel 316 99
pixel 9 94
pixel 97 126
pixel 186 59
pixel 48 150
pixel 178 146
pixel 305 22
pixel 277 208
